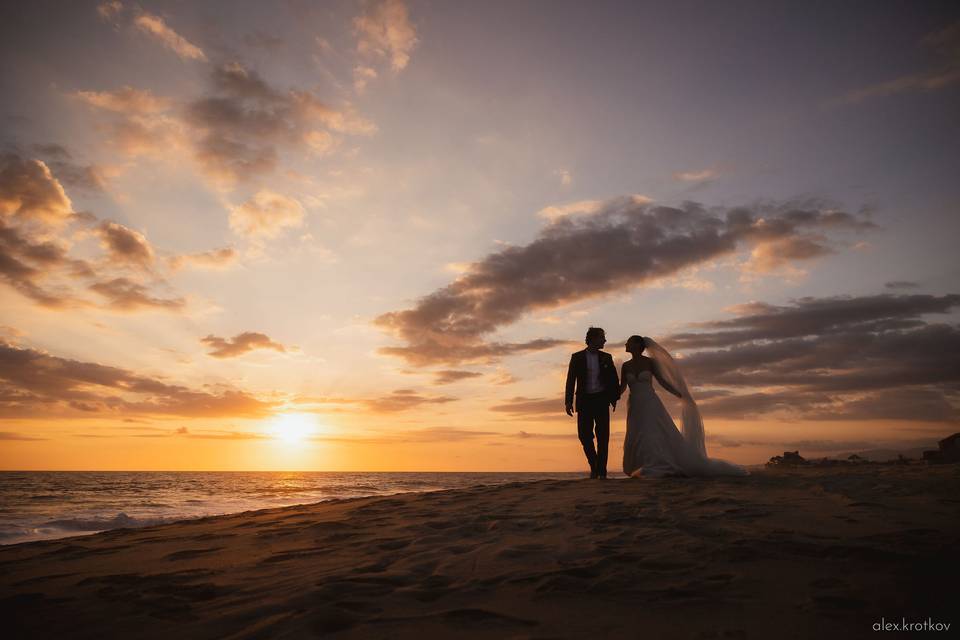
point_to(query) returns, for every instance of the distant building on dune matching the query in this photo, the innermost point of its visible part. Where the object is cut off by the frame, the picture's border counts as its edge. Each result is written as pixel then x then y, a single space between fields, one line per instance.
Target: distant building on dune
pixel 788 458
pixel 949 451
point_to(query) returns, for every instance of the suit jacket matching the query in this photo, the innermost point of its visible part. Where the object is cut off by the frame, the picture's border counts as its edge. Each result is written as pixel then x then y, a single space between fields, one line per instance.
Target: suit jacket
pixel 577 377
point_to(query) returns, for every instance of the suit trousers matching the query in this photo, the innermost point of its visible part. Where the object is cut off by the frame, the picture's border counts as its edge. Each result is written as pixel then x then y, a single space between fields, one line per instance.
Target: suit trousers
pixel 593 414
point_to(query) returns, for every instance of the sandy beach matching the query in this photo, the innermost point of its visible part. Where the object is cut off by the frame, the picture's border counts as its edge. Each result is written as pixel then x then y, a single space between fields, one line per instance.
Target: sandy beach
pixel 786 553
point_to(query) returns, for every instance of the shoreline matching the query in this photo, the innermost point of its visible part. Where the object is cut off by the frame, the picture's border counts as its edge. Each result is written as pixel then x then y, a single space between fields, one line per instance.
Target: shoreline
pixel 796 551
pixel 71 503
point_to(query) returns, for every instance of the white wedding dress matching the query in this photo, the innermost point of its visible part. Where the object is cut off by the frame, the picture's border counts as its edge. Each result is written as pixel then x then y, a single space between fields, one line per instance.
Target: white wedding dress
pixel 653 445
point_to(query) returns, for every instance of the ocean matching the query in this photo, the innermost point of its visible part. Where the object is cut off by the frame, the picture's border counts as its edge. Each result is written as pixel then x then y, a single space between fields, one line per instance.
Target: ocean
pixel 42 505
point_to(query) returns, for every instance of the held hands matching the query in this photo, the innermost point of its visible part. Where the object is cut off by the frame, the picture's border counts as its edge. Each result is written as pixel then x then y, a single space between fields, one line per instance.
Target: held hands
pixel 569 409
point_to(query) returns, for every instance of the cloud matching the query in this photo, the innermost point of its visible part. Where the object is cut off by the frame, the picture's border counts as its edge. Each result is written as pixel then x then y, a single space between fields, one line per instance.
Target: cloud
pixel 91 178
pixel 696 176
pixel 30 192
pixel 449 376
pixel 321 142
pixel 124 245
pixel 944 73
pixel 222 258
pixel 622 245
pixel 402 400
pixel 399 400
pixel 155 27
pixel 385 31
pixel 240 344
pixel 124 100
pixel 362 75
pixel 35 244
pixel 566 176
pixel 221 434
pixel 783 252
pixel 35 384
pixel 411 436
pixel 841 358
pixel 33 210
pixel 583 207
pixel 816 317
pixel 110 10
pixel 503 377
pixel 901 284
pixel 11 332
pixel 237 128
pixel 427 352
pixel 141 123
pixel 531 406
pixel 266 215
pixel 526 435
pixel 52 151
pixel 25 263
pixel 209 434
pixel 123 294
pixel 234 132
pixel 9 435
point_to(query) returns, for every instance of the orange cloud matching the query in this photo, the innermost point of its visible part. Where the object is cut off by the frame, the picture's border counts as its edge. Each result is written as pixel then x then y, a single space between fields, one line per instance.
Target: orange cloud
pixel 124 245
pixel 35 384
pixel 696 176
pixel 110 9
pixel 266 215
pixel 240 344
pixel 123 294
pixel 214 259
pixel 124 100
pixel 29 192
pixel 385 31
pixel 402 400
pixel 157 28
pixel 234 131
pixel 449 376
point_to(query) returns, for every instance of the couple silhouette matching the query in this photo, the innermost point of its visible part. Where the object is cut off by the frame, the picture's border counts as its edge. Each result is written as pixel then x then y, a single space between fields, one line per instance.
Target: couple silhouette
pixel 653 446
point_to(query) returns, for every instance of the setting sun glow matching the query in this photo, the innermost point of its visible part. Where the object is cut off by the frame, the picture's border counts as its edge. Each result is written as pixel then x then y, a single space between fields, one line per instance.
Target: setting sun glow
pixel 293 427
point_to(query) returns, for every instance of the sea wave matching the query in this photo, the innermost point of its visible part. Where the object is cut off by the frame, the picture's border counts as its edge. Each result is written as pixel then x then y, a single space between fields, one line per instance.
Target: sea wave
pixel 119 521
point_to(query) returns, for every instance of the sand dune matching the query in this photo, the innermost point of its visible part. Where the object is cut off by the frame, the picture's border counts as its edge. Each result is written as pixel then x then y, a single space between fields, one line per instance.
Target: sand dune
pixel 784 553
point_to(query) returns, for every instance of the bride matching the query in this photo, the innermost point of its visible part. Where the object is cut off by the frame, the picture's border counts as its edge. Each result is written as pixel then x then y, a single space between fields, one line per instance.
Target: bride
pixel 653 446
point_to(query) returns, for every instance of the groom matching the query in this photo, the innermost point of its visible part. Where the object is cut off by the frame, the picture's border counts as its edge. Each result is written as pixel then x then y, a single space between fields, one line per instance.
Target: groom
pixel 594 376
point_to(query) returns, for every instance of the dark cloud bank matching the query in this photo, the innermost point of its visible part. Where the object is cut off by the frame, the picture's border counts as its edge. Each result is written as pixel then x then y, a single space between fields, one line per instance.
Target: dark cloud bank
pixel 626 244
pixel 34 383
pixel 866 357
pixel 841 358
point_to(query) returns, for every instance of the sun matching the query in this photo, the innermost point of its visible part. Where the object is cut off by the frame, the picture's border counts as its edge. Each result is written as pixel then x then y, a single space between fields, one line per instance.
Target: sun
pixel 293 427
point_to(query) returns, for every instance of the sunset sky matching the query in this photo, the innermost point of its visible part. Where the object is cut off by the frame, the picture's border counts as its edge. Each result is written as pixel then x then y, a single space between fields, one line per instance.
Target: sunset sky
pixel 367 235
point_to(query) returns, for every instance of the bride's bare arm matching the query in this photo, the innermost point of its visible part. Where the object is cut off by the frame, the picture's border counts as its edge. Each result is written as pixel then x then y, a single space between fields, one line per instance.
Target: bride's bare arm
pixel 623 378
pixel 663 383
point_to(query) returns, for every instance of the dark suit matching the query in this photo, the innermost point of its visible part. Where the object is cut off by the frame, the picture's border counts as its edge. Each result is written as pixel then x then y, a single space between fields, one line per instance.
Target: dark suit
pixel 593 409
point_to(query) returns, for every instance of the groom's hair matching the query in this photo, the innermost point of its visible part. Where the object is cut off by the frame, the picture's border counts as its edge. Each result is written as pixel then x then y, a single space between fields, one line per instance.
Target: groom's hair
pixel 593 332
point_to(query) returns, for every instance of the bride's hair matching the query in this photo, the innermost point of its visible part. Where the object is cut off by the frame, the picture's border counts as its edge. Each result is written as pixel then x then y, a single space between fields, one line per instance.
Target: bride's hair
pixel 639 339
